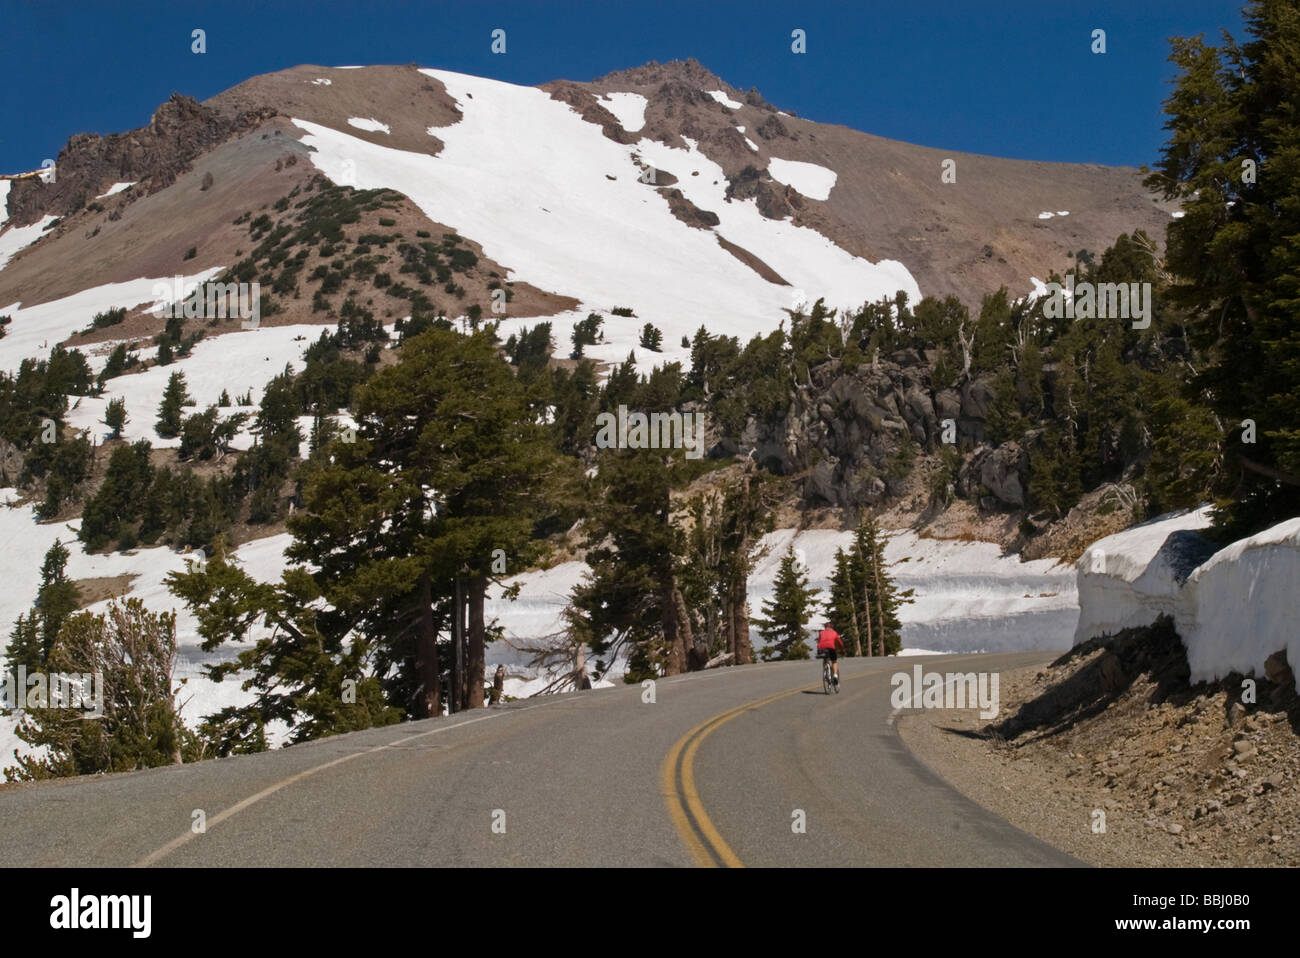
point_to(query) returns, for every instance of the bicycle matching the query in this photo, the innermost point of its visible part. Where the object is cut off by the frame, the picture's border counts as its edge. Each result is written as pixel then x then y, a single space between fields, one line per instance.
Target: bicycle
pixel 828 677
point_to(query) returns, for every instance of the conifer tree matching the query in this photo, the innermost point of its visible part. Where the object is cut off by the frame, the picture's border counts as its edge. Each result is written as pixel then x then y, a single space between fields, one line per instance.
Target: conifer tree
pixel 175 399
pixel 57 597
pixel 130 651
pixel 786 614
pixel 115 416
pixel 845 591
pixel 1231 158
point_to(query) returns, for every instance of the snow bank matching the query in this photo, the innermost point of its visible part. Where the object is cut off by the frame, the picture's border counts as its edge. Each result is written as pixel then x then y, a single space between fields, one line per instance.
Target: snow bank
pixel 728 102
pixel 1232 608
pixel 1240 606
pixel 4 200
pixel 813 181
pixel 1132 578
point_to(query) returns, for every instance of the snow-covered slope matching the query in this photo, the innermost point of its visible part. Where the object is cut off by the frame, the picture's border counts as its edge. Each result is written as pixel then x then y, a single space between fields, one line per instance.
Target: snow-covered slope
pixel 969 597
pixel 23 542
pixel 563 206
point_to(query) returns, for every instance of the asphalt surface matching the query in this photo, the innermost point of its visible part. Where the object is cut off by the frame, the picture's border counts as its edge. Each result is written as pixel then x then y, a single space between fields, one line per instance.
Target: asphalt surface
pixel 720 769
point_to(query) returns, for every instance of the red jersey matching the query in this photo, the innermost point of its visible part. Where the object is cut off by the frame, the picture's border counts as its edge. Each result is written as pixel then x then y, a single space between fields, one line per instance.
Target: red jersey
pixel 828 639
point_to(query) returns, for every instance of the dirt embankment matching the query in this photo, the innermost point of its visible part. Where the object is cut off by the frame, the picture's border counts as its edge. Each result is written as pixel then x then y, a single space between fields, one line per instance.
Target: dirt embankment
pixel 1113 734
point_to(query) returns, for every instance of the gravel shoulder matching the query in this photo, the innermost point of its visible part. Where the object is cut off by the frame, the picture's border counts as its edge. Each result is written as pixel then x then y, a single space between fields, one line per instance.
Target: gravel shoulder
pixel 1112 735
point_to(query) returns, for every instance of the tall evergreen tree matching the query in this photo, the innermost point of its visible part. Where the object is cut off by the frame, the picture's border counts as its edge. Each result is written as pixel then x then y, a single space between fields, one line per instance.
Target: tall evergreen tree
pixel 786 614
pixel 881 598
pixel 1233 159
pixel 170 411
pixel 845 593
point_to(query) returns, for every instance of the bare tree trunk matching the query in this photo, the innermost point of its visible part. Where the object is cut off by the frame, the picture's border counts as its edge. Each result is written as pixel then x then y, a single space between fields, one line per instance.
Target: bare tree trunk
pixel 880 608
pixel 674 651
pixel 866 609
pixel 475 666
pixel 696 652
pixel 455 700
pixel 729 622
pixel 740 622
pixel 429 702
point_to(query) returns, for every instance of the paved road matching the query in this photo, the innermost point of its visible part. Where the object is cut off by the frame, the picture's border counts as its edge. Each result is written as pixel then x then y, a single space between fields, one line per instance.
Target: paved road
pixel 711 773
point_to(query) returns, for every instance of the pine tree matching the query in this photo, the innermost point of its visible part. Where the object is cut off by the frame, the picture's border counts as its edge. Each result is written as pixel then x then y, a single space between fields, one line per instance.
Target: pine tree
pixel 131 652
pixel 25 648
pixel 115 416
pixel 1232 158
pixel 786 614
pixel 175 399
pixel 846 588
pixel 57 597
pixel 634 595
pixel 312 674
pixel 881 599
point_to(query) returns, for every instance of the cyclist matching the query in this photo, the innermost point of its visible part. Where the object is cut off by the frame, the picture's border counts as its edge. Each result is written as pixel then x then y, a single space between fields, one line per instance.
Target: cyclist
pixel 827 640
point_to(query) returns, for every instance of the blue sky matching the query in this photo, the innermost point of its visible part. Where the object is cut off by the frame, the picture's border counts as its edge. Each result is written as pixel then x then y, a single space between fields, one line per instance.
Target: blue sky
pixel 1006 77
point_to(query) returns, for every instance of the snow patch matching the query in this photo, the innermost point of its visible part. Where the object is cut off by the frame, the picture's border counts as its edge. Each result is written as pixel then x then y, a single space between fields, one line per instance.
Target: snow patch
pixel 16 238
pixel 4 201
pixel 752 145
pixel 1233 608
pixel 628 109
pixel 322 81
pixel 236 363
pixel 36 329
pixel 813 181
pixel 114 189
pixel 369 125
pixel 728 102
pixel 1177 214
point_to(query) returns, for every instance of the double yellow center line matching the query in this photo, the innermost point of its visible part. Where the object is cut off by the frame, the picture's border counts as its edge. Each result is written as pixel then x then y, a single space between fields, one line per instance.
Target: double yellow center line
pixel 677 782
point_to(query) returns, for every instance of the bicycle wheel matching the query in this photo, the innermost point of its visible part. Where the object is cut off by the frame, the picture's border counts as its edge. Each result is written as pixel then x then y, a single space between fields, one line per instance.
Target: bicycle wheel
pixel 826 677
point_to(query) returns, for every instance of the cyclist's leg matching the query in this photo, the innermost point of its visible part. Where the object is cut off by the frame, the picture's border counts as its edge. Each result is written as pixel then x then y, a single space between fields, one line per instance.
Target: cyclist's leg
pixel 835 664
